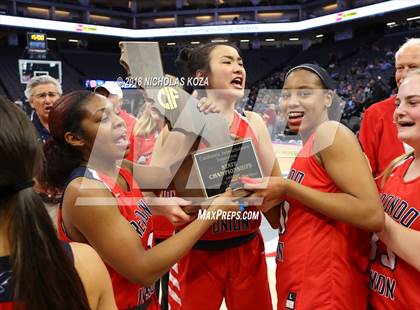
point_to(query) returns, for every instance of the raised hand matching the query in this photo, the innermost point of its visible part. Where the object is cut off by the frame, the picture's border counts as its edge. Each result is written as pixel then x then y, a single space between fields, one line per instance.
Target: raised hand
pixel 205 105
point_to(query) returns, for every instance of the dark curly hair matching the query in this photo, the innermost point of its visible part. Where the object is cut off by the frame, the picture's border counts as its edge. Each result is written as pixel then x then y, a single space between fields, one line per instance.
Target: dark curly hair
pixel 60 157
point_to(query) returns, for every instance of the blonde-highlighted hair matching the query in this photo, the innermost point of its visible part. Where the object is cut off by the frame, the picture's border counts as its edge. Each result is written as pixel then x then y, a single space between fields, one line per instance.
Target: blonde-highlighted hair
pixel 395 163
pixel 146 124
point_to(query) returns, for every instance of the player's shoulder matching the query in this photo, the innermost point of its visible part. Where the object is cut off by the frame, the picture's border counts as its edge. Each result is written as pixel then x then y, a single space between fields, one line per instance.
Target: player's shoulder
pixel 332 129
pixel 85 187
pixel 251 114
pixel 333 135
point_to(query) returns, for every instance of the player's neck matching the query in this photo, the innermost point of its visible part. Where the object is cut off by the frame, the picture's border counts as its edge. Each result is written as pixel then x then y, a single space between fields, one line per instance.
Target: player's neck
pixel 227 114
pixel 226 106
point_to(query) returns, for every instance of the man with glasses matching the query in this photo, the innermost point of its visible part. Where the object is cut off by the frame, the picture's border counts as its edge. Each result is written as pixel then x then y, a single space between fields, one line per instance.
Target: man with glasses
pixel 42 92
pixel 378 132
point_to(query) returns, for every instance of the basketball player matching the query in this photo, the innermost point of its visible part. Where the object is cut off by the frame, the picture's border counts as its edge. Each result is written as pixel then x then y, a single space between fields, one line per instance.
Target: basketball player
pixel 229 260
pixel 328 200
pixel 35 267
pixel 395 251
pixel 102 204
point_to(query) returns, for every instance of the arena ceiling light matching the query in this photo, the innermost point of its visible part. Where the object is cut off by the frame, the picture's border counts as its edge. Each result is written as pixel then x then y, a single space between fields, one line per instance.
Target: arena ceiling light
pixel 165 20
pixel 73 40
pixel 51 39
pixel 413 18
pixel 269 40
pixel 270 14
pixel 293 39
pixel 330 7
pixel 228 16
pixel 330 19
pixel 204 18
pixel 37 10
pixel 171 43
pixel 319 35
pixel 62 13
pixel 391 24
pixel 100 17
pixel 244 40
pixel 219 40
pixel 195 42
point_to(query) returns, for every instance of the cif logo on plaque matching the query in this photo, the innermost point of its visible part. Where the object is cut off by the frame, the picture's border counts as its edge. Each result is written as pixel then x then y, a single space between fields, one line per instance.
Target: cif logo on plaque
pixel 167 98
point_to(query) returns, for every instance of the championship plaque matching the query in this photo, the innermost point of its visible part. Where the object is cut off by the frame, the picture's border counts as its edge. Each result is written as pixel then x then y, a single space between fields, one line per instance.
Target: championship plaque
pixel 222 167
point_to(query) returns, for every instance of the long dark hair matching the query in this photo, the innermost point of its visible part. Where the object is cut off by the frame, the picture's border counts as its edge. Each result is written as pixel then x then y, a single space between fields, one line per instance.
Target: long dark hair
pixel 43 275
pixel 60 157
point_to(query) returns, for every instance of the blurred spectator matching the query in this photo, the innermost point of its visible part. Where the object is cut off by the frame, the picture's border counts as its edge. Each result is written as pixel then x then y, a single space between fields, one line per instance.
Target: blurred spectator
pixel 113 92
pixel 379 93
pixel 144 135
pixel 270 117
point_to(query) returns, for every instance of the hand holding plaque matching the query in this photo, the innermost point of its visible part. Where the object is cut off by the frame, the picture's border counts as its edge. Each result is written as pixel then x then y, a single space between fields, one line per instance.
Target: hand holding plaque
pixel 223 167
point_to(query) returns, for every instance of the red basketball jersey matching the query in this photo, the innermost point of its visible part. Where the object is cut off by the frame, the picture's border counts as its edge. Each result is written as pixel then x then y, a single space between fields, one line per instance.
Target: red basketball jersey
pixel 127 294
pixel 162 227
pixel 378 131
pixel 225 229
pixel 141 148
pixel 129 120
pixel 394 283
pixel 140 151
pixel 321 263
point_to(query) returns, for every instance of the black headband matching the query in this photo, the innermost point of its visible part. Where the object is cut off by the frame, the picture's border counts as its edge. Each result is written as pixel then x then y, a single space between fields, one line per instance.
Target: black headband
pixel 319 71
pixel 9 189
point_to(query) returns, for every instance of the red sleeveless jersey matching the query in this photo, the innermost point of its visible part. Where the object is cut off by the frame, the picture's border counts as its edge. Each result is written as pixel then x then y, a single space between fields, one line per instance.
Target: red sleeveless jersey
pixel 377 132
pixel 225 229
pixel 141 148
pixel 162 227
pixel 394 283
pixel 321 263
pixel 129 120
pixel 127 294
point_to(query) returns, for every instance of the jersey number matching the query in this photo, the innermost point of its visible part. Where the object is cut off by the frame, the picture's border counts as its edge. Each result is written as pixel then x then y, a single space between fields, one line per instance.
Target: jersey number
pixel 387 259
pixel 284 216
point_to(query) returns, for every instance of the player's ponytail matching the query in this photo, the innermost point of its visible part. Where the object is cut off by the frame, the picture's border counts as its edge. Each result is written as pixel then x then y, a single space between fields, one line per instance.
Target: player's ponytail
pixel 43 275
pixel 390 168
